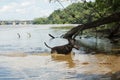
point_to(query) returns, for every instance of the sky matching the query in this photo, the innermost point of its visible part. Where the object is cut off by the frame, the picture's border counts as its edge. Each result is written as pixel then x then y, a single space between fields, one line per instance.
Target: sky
pixel 28 9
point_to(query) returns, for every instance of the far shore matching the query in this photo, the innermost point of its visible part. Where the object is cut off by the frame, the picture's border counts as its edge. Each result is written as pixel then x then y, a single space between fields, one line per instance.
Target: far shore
pixel 37 25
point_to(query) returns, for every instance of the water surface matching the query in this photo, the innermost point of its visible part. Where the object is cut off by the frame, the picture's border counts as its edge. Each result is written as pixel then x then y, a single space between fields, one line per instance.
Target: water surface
pixel 23 56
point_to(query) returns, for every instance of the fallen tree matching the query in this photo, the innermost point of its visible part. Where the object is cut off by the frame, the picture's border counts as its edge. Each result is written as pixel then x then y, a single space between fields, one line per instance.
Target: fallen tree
pixel 115 17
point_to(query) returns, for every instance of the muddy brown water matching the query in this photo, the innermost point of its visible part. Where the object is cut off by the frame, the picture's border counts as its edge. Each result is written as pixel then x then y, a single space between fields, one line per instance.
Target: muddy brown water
pixel 26 57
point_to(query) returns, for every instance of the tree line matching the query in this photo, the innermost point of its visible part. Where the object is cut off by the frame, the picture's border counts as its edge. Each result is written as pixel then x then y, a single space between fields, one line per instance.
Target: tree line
pixel 103 14
pixel 107 18
pixel 76 13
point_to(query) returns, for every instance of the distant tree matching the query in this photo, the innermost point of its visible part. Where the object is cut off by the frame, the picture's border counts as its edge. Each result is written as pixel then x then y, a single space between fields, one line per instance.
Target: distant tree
pixel 40 21
pixel 73 14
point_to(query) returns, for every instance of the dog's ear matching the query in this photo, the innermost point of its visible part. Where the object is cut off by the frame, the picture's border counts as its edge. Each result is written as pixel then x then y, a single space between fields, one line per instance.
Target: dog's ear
pixel 73 42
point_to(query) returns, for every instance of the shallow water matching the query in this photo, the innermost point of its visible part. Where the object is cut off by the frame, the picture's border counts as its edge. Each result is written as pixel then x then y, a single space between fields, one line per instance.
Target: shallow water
pixel 58 67
pixel 25 57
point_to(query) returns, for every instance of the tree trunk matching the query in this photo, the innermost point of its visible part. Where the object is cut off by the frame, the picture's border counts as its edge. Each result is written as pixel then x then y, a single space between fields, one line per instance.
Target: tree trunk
pixel 105 20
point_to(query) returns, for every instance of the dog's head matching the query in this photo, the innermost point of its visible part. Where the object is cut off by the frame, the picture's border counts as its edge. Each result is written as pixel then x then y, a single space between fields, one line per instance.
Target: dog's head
pixel 73 43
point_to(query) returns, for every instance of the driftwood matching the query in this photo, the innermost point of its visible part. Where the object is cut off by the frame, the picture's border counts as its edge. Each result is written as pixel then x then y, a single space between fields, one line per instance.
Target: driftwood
pixel 105 20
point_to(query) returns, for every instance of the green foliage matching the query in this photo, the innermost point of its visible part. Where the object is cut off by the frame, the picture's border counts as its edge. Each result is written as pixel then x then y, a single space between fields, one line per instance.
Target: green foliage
pixel 40 21
pixel 110 6
pixel 80 13
pixel 107 7
pixel 75 13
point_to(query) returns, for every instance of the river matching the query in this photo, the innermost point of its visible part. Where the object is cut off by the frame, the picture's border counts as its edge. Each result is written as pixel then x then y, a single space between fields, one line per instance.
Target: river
pixel 23 55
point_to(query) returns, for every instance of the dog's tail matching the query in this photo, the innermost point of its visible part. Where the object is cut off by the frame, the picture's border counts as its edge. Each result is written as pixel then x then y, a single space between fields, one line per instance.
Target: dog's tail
pixel 47 45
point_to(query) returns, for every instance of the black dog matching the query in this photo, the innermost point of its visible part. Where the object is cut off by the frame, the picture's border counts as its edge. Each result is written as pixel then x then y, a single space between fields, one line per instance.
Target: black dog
pixel 64 49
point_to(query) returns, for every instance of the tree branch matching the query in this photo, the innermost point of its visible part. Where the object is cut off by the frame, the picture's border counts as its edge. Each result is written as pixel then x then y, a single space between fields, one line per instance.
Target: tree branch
pixel 105 20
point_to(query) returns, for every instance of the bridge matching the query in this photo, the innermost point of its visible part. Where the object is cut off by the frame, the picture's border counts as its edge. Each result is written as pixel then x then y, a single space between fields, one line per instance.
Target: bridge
pixel 16 22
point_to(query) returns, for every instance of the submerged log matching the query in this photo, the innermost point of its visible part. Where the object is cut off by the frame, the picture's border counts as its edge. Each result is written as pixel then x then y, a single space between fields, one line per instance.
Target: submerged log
pixel 115 17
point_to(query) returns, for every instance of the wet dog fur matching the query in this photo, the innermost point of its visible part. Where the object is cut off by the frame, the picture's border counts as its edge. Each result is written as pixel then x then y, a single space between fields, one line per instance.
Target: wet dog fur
pixel 64 49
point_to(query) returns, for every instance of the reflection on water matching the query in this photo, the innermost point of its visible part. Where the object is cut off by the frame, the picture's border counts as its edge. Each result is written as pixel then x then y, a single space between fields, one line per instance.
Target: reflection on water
pixel 61 58
pixel 23 56
pixel 98 44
